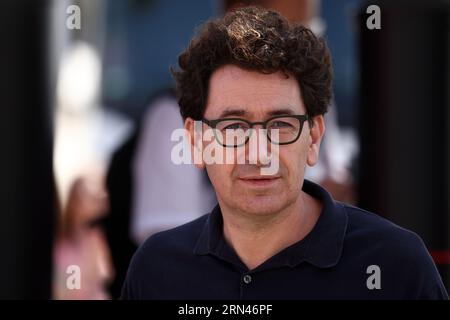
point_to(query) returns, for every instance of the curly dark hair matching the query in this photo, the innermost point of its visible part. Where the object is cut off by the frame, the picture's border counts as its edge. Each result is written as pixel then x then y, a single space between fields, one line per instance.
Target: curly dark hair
pixel 255 39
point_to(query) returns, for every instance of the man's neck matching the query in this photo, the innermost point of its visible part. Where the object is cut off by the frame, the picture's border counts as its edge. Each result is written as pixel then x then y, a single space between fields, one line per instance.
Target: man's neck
pixel 257 238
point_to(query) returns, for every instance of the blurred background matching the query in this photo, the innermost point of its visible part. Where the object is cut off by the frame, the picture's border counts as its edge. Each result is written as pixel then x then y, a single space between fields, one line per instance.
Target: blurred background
pixel 88 107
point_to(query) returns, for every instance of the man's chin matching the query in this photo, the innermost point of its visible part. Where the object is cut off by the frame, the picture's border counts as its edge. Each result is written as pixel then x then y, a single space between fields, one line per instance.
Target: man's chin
pixel 261 206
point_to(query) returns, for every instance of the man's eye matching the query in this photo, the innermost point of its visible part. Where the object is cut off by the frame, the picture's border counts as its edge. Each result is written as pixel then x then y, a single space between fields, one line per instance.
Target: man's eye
pixel 280 124
pixel 235 126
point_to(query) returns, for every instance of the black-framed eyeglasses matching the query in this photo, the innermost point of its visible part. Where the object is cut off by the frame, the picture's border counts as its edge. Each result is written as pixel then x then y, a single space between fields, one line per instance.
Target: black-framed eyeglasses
pixel 236 132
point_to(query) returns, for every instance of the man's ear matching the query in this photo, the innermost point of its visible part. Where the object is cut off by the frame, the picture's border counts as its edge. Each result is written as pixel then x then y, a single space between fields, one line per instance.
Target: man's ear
pixel 316 132
pixel 194 135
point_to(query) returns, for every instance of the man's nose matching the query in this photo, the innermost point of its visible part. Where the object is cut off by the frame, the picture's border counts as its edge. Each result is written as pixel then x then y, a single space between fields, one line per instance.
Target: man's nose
pixel 258 148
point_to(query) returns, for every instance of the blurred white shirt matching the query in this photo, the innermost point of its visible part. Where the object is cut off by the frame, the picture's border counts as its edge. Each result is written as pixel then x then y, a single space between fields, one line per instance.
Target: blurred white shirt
pixel 166 195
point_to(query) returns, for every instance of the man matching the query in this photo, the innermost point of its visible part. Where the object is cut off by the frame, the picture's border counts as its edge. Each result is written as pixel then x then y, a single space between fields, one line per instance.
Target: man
pixel 252 74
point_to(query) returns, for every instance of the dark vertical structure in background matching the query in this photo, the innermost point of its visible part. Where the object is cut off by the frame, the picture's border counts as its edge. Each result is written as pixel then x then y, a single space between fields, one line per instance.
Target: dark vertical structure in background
pixel 26 184
pixel 404 123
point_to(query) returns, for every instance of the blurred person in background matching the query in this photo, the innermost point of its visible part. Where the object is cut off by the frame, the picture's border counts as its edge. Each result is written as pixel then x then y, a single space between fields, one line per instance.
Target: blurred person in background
pixel 165 194
pixel 80 242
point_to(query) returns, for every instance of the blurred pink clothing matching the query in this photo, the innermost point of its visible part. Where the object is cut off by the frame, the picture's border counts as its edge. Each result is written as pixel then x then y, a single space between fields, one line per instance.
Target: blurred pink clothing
pixel 89 252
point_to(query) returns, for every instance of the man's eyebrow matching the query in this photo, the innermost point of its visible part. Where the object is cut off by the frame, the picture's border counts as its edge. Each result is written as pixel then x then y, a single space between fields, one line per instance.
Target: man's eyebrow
pixel 241 112
pixel 233 112
pixel 280 112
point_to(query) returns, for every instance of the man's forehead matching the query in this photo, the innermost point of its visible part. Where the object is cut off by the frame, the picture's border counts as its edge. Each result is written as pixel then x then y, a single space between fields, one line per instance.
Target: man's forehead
pixel 231 72
pixel 237 92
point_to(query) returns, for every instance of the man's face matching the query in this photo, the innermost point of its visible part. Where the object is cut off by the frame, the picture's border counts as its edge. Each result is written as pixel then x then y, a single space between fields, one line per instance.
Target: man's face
pixel 235 92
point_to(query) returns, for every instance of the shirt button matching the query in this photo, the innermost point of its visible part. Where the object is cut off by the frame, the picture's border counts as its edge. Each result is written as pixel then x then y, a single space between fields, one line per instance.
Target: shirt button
pixel 247 279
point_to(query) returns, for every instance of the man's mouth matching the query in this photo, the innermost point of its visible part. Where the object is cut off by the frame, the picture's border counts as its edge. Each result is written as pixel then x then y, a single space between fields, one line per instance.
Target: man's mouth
pixel 262 181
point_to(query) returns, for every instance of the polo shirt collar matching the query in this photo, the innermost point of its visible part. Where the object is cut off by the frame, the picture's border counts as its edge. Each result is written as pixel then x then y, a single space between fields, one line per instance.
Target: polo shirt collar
pixel 322 247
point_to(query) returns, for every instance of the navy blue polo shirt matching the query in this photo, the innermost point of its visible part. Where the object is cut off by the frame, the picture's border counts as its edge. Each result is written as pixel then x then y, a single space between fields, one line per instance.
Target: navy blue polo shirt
pixel 349 254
